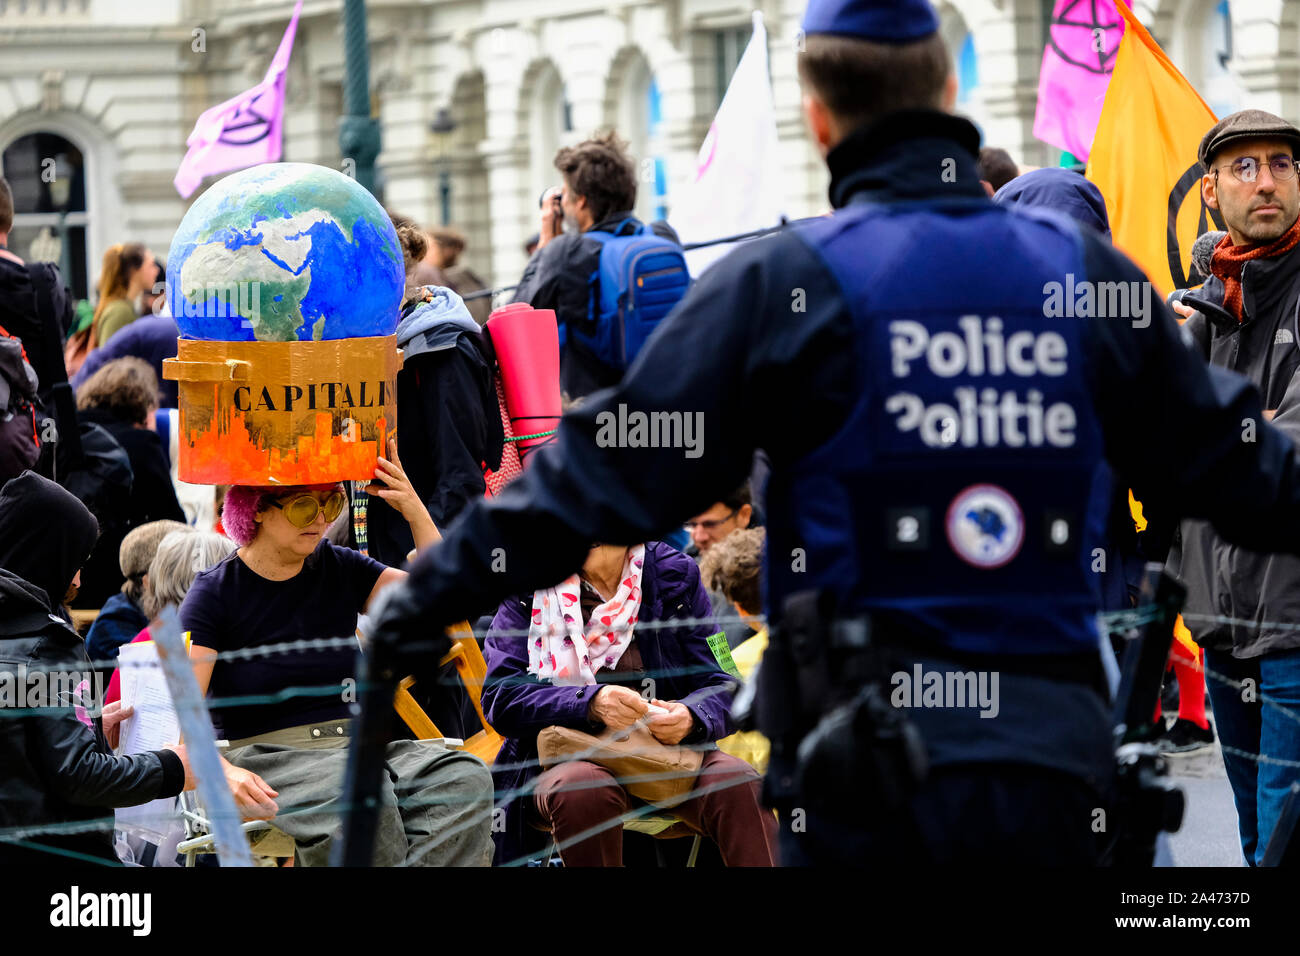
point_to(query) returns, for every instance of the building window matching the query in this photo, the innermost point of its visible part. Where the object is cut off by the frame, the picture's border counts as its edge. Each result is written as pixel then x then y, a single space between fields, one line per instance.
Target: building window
pixel 654 137
pixel 47 175
pixel 550 124
pixel 1223 94
pixel 968 76
pixel 729 47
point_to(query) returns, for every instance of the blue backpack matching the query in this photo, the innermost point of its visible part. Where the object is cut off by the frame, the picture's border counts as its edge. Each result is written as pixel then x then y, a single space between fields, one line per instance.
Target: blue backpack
pixel 640 278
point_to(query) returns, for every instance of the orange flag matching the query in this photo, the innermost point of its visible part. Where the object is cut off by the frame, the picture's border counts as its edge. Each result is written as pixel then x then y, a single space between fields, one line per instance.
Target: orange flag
pixel 1144 159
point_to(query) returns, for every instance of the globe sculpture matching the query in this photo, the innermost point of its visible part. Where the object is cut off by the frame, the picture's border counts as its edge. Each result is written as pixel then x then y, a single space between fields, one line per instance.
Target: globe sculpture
pixel 286 281
pixel 284 252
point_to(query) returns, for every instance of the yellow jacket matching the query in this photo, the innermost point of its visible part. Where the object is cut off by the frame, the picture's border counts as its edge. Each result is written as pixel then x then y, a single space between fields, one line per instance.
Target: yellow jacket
pixel 750 746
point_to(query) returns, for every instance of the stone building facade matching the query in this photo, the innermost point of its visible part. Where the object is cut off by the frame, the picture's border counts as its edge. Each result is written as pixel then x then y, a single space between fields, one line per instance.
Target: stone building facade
pixel 105 93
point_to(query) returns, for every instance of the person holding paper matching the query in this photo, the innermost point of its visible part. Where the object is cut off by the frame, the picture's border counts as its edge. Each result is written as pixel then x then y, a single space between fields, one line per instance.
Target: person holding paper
pixel 58 765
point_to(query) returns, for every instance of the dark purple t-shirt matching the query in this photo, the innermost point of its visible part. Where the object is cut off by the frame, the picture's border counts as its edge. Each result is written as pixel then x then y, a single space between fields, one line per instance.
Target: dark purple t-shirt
pixel 230 607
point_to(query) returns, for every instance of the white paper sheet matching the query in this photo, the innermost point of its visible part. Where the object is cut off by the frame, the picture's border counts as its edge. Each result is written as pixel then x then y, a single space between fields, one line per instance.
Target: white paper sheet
pixel 152 727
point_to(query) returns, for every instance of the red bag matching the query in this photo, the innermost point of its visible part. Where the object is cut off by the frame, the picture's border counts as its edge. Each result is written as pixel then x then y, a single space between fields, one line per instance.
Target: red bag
pixel 20 440
pixel 511 467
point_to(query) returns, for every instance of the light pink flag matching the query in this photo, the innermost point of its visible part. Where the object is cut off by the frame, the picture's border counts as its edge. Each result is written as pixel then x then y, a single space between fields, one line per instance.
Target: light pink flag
pixel 243 131
pixel 1080 55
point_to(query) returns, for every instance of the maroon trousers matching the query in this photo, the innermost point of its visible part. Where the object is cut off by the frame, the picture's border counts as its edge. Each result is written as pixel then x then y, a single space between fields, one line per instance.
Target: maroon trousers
pixel 578 796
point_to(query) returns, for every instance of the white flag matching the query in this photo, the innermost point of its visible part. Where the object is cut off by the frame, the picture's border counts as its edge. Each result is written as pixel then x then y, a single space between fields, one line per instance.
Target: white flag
pixel 737 185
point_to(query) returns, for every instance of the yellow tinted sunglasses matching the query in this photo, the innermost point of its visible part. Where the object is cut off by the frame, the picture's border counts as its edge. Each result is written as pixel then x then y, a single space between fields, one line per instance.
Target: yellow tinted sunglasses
pixel 301 510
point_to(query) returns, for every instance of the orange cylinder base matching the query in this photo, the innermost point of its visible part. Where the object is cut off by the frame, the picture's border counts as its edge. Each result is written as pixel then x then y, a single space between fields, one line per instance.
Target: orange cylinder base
pixel 284 413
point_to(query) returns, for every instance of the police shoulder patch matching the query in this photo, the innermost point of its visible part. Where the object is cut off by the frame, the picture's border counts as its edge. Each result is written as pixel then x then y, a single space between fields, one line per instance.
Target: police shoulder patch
pixel 985 526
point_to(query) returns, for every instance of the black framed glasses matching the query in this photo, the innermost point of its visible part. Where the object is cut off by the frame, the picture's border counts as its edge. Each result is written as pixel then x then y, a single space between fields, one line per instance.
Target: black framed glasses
pixel 1246 169
pixel 301 510
pixel 710 525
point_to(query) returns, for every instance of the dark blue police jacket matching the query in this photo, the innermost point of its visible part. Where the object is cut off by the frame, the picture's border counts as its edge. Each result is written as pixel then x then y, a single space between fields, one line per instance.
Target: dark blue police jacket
pixel 943 388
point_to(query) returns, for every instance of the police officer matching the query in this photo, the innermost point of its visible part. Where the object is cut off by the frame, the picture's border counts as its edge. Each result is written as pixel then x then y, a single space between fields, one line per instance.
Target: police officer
pixel 944 404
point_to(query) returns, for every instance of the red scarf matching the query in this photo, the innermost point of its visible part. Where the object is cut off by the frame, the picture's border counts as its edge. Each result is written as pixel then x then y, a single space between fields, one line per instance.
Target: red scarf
pixel 1229 260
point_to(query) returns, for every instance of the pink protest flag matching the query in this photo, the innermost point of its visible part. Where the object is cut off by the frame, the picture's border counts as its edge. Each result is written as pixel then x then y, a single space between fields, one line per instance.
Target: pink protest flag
pixel 243 131
pixel 1081 46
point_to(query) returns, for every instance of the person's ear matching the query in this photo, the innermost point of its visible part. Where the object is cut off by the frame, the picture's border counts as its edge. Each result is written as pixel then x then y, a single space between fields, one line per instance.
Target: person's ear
pixel 743 516
pixel 1210 190
pixel 949 100
pixel 818 118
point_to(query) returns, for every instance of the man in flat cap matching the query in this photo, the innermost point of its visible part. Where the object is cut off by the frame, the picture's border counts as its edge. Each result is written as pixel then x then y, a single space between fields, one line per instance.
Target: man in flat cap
pixel 941 454
pixel 1244 318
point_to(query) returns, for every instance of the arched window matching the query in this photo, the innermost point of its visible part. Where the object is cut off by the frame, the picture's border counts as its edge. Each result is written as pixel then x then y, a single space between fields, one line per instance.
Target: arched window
pixel 968 74
pixel 1222 91
pixel 960 41
pixel 47 175
pixel 638 118
pixel 549 120
pixel 658 207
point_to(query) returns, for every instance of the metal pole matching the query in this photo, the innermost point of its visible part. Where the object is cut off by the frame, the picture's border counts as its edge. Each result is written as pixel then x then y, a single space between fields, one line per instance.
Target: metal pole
pixel 65 259
pixel 200 743
pixel 358 133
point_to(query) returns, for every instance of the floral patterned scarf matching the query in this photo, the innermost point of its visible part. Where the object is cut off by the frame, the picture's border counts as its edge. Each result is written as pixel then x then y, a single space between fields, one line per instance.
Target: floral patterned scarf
pixel 561 649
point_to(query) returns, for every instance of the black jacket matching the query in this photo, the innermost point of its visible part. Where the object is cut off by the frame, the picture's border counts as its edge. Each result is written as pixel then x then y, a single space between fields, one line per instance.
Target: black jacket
pixel 57 769
pixel 1221 579
pixel 558 277
pixel 21 288
pixel 448 425
pixel 448 422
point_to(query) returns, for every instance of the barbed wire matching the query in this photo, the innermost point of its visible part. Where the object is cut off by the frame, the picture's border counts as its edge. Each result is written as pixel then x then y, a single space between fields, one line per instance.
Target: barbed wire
pixel 1109 621
pixel 21 836
pixel 346 643
pixel 501 797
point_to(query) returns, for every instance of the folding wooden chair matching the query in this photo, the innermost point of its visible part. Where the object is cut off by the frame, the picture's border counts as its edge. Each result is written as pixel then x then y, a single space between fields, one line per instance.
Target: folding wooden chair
pixel 466 654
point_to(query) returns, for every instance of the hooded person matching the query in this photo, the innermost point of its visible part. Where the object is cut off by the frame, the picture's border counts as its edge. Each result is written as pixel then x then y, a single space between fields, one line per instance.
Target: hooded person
pixel 59 768
pixel 448 428
pixel 1063 190
pixel 449 423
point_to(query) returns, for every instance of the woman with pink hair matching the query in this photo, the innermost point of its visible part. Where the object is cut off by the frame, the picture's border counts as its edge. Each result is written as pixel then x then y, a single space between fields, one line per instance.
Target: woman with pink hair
pixel 286 712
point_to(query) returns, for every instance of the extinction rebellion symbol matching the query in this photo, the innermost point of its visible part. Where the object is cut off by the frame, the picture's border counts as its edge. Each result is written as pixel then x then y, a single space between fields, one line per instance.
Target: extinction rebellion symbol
pixel 1187 187
pixel 1086 33
pixel 246 127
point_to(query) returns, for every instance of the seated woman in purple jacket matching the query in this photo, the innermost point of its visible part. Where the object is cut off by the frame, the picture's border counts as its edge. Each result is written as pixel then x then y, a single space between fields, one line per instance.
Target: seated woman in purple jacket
pixel 587 656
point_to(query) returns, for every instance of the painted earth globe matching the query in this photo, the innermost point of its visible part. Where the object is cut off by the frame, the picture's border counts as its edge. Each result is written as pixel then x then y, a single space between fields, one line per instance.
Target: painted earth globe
pixel 285 252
